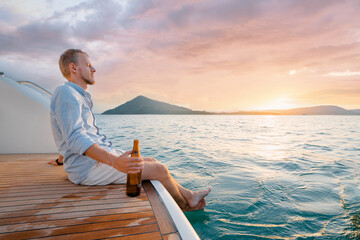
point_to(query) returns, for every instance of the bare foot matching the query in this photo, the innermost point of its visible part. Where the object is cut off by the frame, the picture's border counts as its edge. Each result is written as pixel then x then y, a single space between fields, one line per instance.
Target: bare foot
pixel 57 162
pixel 201 205
pixel 196 197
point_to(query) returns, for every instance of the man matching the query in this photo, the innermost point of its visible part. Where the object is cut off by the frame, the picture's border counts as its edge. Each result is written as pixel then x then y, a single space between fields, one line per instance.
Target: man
pixel 89 158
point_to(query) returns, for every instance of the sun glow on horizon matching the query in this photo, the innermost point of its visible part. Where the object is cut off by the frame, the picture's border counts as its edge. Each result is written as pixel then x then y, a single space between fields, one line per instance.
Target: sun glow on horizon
pixel 283 103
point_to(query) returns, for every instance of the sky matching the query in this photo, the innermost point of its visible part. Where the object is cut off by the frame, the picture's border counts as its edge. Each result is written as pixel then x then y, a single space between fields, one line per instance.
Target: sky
pixel 213 55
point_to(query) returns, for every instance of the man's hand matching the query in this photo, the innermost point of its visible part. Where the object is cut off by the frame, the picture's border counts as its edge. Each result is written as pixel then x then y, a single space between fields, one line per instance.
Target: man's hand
pixel 123 163
pixel 126 164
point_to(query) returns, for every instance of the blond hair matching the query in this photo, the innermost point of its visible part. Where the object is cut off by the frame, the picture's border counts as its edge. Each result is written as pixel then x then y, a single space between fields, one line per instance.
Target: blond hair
pixel 69 56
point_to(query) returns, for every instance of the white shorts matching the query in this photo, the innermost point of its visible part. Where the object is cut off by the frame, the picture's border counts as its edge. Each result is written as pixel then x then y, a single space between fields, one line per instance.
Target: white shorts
pixel 103 174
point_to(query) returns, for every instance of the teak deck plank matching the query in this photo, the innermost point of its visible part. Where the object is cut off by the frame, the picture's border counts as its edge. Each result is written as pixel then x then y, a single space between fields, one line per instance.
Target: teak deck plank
pixel 71 221
pixel 165 222
pixel 37 201
pixel 172 236
pixel 147 236
pixel 74 215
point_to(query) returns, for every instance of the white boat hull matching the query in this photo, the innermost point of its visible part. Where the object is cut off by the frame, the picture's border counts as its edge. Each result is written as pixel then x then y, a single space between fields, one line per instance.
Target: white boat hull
pixel 24 119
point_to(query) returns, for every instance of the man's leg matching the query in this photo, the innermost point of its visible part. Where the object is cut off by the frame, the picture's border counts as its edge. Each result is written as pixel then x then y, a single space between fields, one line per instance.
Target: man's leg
pixel 186 199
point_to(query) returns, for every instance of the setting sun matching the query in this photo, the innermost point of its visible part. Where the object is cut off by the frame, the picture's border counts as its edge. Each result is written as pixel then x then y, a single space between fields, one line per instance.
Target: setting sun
pixel 279 104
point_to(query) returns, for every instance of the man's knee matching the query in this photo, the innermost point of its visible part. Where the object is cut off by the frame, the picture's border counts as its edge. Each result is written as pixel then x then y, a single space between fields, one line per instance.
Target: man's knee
pixel 162 170
pixel 150 160
pixel 155 171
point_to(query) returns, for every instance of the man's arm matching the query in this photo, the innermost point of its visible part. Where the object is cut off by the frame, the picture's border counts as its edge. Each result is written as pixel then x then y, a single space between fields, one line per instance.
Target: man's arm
pixel 66 115
pixel 123 163
pixel 66 109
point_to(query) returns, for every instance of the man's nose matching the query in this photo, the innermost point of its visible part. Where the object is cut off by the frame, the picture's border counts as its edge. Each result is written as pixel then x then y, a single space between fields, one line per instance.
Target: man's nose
pixel 93 69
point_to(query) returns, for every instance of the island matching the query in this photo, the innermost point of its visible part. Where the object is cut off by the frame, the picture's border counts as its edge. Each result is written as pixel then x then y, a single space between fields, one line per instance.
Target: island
pixel 144 105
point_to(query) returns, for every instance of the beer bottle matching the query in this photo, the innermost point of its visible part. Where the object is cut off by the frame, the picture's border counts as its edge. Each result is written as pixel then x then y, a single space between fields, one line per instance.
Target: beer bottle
pixel 133 184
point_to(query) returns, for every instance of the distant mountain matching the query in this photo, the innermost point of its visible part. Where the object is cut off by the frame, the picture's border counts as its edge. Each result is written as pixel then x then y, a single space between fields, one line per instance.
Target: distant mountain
pixel 318 110
pixel 356 111
pixel 144 105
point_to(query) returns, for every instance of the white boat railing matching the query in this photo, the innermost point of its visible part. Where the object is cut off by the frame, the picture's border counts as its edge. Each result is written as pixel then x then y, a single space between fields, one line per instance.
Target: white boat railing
pixel 182 224
pixel 35 87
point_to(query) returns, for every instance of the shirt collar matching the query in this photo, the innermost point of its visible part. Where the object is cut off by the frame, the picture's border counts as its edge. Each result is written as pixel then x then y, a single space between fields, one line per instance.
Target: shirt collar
pixel 76 87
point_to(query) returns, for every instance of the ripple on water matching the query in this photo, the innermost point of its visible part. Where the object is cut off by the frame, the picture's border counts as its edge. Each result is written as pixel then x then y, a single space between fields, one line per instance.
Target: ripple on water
pixel 272 177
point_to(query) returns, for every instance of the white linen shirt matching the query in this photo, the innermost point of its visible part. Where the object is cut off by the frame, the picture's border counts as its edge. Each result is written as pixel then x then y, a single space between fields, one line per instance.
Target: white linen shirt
pixel 74 129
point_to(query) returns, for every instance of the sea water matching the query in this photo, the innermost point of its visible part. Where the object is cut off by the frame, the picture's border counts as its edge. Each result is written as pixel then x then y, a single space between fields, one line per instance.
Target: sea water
pixel 272 177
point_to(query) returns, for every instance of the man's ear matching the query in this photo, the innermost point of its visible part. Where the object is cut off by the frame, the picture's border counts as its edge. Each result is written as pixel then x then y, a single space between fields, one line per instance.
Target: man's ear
pixel 72 67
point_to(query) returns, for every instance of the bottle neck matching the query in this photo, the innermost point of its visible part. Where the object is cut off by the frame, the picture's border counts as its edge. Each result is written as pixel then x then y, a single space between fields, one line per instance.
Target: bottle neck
pixel 136 152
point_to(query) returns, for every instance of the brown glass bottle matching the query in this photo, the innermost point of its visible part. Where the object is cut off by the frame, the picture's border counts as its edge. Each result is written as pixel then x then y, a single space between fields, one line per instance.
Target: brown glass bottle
pixel 133 184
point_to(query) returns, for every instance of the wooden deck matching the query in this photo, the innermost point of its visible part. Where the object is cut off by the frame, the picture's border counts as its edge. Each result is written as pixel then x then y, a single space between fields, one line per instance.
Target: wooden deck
pixel 37 201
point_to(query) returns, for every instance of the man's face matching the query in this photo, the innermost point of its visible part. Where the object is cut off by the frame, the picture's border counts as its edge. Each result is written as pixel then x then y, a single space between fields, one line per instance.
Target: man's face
pixel 86 70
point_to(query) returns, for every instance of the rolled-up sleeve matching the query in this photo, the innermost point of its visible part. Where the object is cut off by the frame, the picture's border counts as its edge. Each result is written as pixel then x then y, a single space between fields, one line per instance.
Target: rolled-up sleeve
pixel 67 112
